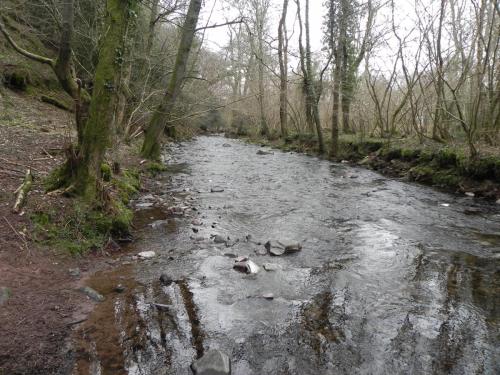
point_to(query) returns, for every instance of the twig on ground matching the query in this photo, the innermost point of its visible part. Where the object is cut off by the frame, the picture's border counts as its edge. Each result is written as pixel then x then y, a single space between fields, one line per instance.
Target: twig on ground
pixel 23 240
pixel 18 164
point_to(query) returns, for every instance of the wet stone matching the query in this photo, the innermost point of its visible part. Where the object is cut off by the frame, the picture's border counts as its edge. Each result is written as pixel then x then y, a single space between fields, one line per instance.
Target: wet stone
pixel 197 222
pixel 261 251
pixel 74 272
pixel 246 266
pixel 281 247
pixel 146 254
pixel 144 205
pixel 119 288
pixel 261 152
pixel 214 362
pixel 226 145
pixel 216 189
pixel 268 296
pixel 92 294
pixel 166 280
pixel 219 239
pixel 271 267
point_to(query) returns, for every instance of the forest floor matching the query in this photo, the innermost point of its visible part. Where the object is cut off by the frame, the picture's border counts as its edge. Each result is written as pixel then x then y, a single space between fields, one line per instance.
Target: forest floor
pixel 40 301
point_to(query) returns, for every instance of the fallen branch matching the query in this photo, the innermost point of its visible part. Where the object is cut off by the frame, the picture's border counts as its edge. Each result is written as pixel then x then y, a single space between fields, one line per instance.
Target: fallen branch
pixel 22 191
pixel 23 240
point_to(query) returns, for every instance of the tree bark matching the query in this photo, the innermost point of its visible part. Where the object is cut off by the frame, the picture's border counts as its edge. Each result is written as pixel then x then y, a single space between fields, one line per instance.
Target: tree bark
pixel 283 61
pixel 152 143
pixel 98 129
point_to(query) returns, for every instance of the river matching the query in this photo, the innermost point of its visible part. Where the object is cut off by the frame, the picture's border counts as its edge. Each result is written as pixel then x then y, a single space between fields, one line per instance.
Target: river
pixel 393 277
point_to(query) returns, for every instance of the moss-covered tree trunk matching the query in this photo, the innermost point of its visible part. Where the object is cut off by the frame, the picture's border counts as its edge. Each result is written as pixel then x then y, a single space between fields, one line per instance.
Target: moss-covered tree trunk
pixel 153 133
pixel 98 129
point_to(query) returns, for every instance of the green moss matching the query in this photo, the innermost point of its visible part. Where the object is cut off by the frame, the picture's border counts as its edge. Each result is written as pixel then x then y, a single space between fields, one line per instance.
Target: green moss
pixel 483 169
pixel 446 179
pixel 58 178
pixel 106 172
pixel 122 219
pixel 155 168
pixel 426 156
pixel 408 154
pixel 446 158
pixel 77 231
pixel 391 153
pixel 421 173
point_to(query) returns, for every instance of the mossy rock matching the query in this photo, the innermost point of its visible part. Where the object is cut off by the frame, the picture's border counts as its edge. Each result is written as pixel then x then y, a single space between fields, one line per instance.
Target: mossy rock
pixel 369 146
pixel 155 168
pixel 426 156
pixel 408 154
pixel 391 153
pixel 483 169
pixel 446 179
pixel 421 173
pixel 106 172
pixel 445 158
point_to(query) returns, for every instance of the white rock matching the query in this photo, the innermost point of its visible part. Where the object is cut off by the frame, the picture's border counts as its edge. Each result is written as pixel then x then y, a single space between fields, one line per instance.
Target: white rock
pixel 469 194
pixel 146 254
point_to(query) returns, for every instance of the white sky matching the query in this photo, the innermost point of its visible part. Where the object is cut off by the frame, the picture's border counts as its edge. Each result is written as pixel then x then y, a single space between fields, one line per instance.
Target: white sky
pixel 217 11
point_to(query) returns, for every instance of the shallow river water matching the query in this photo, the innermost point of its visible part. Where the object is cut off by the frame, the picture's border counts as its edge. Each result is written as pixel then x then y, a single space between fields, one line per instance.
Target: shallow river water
pixel 393 278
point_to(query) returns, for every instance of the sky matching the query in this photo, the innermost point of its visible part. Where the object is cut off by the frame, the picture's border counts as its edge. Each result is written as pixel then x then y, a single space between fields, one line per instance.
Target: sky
pixel 218 11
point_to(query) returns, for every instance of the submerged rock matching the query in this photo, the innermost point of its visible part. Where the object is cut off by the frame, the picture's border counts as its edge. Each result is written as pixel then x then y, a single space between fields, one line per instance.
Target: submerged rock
pixel 219 239
pixel 281 247
pixel 216 189
pixel 92 294
pixel 226 145
pixel 214 362
pixel 261 152
pixel 166 280
pixel 271 267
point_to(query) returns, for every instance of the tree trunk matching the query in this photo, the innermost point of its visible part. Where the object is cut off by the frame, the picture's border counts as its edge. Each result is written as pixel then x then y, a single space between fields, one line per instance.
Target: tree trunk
pixel 283 61
pixel 335 106
pixel 98 129
pixel 151 145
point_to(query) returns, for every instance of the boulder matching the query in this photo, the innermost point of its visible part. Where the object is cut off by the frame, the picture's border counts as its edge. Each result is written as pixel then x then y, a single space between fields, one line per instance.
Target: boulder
pixel 213 362
pixel 281 247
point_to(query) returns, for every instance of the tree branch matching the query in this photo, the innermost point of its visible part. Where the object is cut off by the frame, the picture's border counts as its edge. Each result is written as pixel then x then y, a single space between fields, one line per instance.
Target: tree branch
pixel 22 51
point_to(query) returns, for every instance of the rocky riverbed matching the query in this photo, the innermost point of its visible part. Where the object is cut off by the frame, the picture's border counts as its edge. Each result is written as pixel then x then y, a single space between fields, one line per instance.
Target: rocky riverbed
pixel 280 263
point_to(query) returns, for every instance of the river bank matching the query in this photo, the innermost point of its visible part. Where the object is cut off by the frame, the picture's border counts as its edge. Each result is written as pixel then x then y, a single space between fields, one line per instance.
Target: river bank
pixel 429 163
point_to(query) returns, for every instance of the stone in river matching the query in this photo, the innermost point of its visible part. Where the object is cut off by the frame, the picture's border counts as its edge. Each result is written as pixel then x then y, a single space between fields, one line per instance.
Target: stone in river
pixel 271 267
pixel 92 294
pixel 281 247
pixel 213 362
pixel 166 280
pixel 219 239
pixel 146 254
pixel 226 145
pixel 261 152
pixel 246 266
pixel 268 296
pixel 216 189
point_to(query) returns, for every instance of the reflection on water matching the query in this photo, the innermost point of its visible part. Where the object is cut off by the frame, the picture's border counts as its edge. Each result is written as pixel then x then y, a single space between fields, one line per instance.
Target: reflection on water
pixel 389 280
